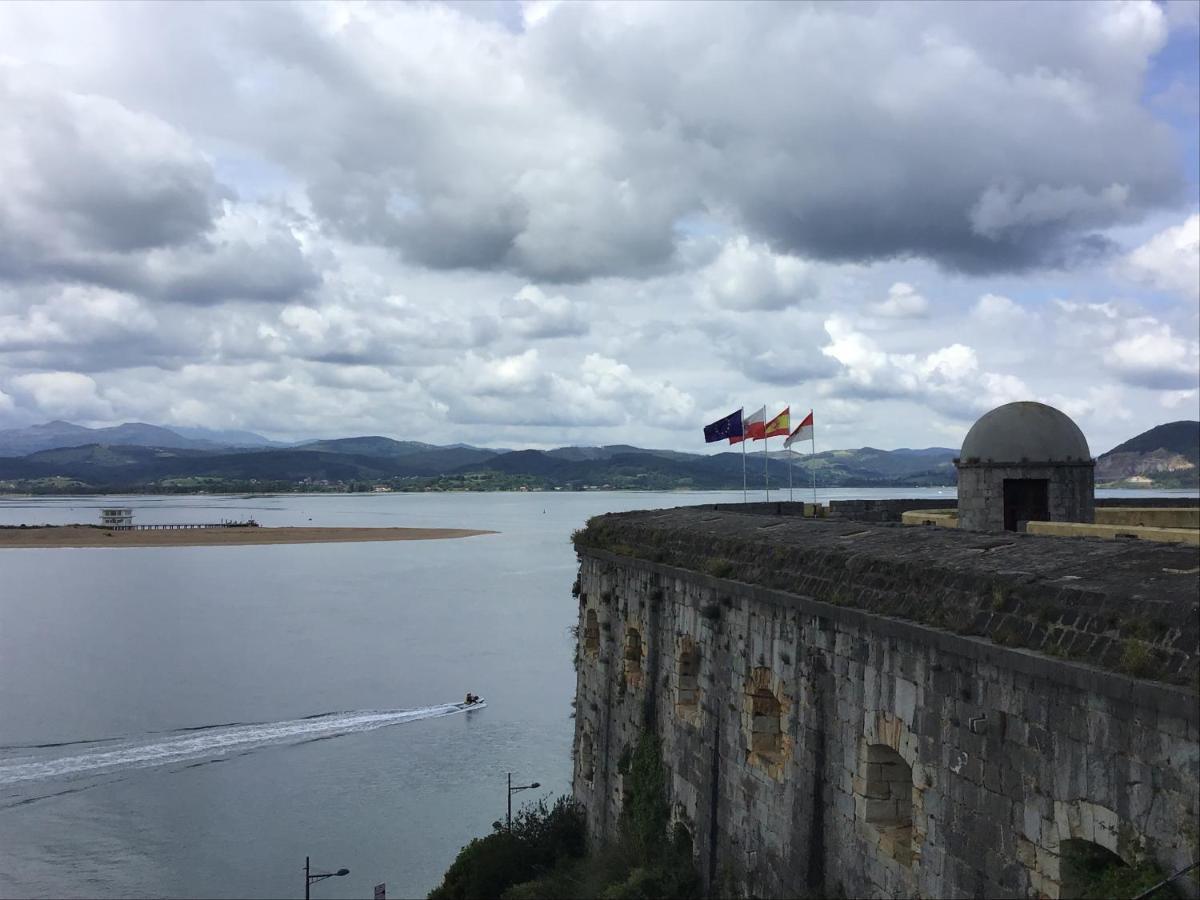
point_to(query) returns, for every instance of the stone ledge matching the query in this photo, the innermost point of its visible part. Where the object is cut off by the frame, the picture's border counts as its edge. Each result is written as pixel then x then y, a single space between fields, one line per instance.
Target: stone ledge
pixel 1115 532
pixel 1173 701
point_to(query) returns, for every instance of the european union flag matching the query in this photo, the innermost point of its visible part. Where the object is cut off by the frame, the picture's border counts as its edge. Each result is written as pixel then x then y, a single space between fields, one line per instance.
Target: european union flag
pixel 722 429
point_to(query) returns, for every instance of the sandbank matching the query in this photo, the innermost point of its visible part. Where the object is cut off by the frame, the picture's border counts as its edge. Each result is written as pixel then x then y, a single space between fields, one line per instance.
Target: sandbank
pixel 87 536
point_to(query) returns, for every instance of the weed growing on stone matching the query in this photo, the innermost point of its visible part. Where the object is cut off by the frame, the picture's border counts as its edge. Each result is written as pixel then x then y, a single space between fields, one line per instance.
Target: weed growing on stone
pixel 997 598
pixel 718 567
pixel 1136 659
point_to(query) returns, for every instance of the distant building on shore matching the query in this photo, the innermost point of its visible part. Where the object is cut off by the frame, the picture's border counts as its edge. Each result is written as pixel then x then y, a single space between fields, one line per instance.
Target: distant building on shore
pixel 118 518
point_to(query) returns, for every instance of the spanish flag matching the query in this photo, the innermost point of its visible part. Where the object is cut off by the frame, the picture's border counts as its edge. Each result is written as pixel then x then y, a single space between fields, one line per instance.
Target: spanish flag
pixel 781 424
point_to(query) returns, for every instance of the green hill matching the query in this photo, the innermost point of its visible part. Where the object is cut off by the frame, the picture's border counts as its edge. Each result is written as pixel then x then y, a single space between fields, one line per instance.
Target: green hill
pixel 1166 456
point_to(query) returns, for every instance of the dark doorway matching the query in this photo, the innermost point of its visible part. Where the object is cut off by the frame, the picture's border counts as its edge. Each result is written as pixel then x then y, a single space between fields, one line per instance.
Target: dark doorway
pixel 1025 500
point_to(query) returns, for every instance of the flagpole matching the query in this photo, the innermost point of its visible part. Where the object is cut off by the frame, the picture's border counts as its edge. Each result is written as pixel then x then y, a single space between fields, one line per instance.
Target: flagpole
pixel 766 467
pixel 744 500
pixel 814 468
pixel 790 497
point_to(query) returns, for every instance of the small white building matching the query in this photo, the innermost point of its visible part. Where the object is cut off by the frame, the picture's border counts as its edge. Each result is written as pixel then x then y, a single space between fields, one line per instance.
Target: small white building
pixel 119 518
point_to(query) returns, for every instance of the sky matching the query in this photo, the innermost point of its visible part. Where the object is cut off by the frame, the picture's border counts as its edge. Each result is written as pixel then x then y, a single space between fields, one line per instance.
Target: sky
pixel 538 224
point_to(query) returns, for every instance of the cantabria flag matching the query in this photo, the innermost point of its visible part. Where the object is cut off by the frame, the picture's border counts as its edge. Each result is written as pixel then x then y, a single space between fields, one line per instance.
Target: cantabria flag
pixel 803 432
pixel 755 425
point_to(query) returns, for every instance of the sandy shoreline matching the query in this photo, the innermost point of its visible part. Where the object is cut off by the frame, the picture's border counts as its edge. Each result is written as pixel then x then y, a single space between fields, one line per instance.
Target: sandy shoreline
pixel 85 536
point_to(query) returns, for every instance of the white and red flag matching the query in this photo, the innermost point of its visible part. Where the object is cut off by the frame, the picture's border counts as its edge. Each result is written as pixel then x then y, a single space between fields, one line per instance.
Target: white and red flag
pixel 803 432
pixel 755 426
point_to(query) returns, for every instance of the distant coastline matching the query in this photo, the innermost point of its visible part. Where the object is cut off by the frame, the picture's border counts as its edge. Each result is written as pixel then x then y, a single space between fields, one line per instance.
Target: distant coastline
pixel 61 536
pixel 59 458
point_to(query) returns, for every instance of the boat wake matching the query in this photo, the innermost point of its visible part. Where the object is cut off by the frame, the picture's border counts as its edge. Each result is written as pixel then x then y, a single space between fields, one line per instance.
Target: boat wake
pixel 209 743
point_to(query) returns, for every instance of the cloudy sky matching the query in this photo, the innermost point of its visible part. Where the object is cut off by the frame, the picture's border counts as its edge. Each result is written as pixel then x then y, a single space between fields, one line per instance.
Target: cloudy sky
pixel 534 224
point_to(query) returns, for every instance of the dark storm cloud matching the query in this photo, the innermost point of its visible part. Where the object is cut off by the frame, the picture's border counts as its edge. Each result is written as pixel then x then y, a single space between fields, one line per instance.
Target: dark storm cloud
pixel 83 174
pixel 985 136
pixel 96 193
pixel 958 133
pixel 848 133
pixel 268 266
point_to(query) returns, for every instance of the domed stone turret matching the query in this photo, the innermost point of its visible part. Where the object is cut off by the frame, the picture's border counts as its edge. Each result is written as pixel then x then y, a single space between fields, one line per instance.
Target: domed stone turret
pixel 1025 431
pixel 1024 462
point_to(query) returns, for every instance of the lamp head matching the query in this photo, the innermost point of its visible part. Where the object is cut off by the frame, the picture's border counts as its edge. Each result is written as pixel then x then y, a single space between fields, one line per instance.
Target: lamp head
pixel 535 784
pixel 342 872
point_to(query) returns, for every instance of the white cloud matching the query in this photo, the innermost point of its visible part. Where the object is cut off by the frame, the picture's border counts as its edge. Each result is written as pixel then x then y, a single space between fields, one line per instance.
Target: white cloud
pixel 1154 356
pixel 748 276
pixel 1104 402
pixel 996 310
pixel 74 315
pixel 522 389
pixel 903 302
pixel 1170 260
pixel 533 314
pixel 1188 402
pixel 948 379
pixel 64 395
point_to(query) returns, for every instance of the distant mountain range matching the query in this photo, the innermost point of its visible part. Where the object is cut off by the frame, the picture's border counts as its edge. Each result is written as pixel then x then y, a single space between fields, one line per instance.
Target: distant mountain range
pixel 57 434
pixel 60 457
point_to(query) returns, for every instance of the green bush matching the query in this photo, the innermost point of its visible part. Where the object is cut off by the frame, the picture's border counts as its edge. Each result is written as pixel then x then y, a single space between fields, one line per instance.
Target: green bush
pixel 543 858
pixel 541 837
pixel 485 867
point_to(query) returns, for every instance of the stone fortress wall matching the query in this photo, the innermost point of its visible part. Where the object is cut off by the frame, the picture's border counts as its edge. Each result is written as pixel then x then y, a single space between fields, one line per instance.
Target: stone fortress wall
pixel 887 711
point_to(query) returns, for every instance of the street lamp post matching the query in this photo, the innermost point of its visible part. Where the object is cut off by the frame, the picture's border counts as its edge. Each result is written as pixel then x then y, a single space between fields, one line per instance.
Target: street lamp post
pixel 310 876
pixel 513 790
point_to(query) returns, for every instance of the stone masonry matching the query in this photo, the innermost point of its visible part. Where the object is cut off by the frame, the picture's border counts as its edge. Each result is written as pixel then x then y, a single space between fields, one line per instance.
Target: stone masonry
pixel 981 492
pixel 815 743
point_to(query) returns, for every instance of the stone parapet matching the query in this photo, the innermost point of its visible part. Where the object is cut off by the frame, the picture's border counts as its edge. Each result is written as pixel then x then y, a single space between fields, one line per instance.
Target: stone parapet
pixel 1128 606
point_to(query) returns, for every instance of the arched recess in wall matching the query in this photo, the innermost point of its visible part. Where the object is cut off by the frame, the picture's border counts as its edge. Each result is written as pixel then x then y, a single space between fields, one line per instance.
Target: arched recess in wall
pixel 764 722
pixel 1086 869
pixel 687 676
pixel 633 657
pixel 591 633
pixel 767 727
pixel 885 799
pixel 587 758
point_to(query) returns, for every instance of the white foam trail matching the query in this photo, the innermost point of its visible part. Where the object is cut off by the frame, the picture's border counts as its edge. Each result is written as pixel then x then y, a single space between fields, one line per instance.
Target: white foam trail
pixel 213 743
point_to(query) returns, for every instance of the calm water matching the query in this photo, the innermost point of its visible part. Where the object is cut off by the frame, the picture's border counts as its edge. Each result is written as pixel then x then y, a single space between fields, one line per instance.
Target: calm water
pixel 194 721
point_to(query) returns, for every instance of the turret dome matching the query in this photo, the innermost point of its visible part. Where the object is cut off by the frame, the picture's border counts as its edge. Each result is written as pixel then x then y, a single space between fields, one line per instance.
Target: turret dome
pixel 1025 431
